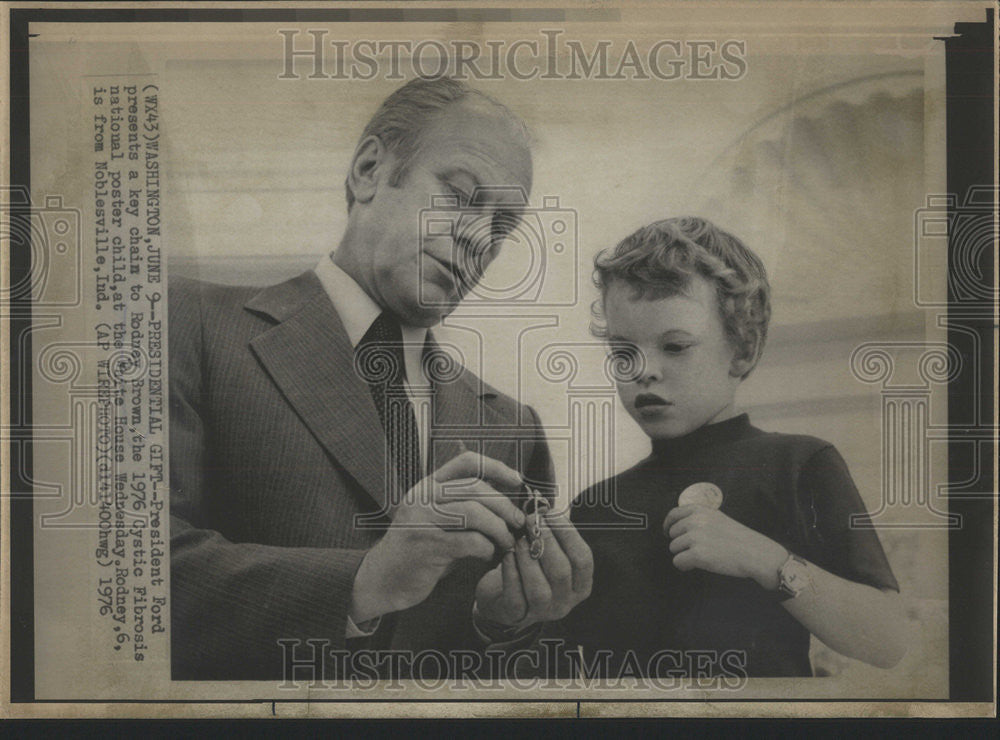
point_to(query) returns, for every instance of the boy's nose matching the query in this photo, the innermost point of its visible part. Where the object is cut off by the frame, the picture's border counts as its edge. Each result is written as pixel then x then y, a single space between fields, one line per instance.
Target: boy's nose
pixel 650 374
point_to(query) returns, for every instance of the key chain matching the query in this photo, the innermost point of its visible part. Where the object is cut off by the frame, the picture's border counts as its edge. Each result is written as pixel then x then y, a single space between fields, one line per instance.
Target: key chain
pixel 534 507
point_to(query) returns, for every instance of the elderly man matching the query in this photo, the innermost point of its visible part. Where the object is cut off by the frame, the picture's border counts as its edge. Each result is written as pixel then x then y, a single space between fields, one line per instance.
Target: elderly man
pixel 320 503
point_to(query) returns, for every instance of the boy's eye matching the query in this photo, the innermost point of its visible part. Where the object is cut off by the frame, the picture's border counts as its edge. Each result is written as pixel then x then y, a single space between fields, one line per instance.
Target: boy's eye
pixel 675 348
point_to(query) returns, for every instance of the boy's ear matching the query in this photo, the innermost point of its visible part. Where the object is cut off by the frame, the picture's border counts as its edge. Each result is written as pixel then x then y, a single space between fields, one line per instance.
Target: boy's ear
pixel 745 357
pixel 366 168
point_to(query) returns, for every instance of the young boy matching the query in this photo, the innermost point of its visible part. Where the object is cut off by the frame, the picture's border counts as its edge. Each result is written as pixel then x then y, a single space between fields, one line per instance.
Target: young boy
pixel 748 545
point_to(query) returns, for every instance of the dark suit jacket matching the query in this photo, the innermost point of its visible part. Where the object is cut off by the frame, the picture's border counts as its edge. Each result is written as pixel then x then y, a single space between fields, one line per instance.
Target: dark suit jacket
pixel 275 448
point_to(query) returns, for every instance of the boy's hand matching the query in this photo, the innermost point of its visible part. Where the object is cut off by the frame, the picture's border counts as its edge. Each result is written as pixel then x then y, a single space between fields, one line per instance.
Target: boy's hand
pixel 709 540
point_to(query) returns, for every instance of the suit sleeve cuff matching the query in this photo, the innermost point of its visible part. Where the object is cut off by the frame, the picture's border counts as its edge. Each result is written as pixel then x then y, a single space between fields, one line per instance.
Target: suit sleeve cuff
pixel 499 636
pixel 365 629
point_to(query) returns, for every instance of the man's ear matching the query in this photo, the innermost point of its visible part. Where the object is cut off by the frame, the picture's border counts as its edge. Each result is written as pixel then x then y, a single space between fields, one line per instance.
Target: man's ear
pixel 745 356
pixel 366 168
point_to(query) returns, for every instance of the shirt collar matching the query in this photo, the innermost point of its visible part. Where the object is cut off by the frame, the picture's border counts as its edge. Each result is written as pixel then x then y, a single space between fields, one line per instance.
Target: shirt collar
pixel 356 308
pixel 719 432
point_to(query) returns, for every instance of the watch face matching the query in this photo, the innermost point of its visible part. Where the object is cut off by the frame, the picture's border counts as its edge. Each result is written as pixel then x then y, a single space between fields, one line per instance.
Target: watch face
pixel 795 575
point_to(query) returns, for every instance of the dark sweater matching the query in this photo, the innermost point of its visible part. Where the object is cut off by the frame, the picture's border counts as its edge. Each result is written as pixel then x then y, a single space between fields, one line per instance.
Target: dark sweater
pixel 794 489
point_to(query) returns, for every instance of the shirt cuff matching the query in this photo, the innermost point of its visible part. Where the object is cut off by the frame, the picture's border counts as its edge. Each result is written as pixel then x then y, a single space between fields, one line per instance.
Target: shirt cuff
pixel 367 629
pixel 498 635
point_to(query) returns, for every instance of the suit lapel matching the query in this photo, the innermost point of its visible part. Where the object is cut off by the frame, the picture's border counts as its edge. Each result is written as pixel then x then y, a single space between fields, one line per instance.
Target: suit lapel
pixel 310 358
pixel 460 416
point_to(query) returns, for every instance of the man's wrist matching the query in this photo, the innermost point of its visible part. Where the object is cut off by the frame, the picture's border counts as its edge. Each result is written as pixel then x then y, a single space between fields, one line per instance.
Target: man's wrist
pixel 492 631
pixel 367 602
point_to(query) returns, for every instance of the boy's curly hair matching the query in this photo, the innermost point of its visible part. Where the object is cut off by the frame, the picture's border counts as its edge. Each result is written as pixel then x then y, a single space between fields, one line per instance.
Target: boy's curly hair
pixel 658 261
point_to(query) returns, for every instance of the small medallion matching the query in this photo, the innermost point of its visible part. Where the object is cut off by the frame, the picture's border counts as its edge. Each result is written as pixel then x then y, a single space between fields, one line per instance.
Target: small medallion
pixel 701 494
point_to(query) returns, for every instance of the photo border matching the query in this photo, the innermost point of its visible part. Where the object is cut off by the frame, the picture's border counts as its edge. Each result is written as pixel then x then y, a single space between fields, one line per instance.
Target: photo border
pixel 970 69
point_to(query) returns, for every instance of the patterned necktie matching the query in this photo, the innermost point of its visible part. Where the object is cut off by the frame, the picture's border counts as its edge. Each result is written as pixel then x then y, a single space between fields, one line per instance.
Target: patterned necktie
pixel 382 366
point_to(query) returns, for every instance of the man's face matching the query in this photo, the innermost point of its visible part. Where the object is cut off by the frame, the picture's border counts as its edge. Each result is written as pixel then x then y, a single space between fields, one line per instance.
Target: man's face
pixel 683 358
pixel 419 277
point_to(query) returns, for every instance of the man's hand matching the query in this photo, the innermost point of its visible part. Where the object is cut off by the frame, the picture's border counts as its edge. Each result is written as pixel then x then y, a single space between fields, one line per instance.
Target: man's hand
pixel 707 539
pixel 521 591
pixel 432 528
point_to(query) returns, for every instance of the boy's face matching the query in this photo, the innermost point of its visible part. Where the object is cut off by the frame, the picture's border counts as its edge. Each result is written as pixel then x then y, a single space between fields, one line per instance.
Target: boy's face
pixel 683 358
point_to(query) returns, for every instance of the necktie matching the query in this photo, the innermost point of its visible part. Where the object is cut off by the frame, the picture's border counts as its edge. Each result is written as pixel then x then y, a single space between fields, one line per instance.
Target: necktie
pixel 382 365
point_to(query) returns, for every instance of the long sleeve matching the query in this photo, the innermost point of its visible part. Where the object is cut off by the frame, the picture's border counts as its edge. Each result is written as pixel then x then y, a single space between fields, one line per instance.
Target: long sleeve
pixel 233 602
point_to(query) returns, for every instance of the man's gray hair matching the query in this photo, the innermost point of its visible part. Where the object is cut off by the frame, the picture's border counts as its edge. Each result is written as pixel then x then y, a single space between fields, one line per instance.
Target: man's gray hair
pixel 403 117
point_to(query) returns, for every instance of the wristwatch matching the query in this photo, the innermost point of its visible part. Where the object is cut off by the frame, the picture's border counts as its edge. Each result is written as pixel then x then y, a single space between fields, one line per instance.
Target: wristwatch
pixel 793 577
